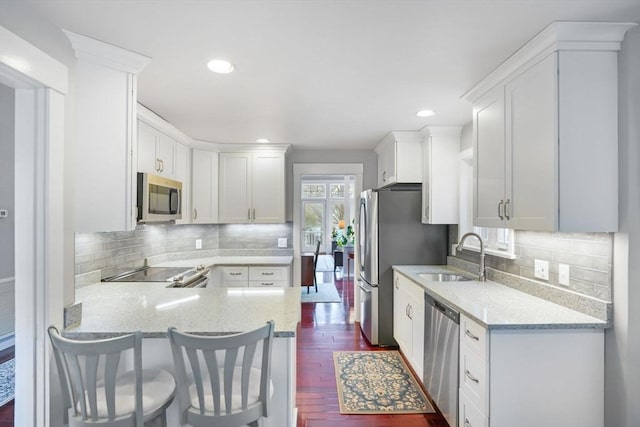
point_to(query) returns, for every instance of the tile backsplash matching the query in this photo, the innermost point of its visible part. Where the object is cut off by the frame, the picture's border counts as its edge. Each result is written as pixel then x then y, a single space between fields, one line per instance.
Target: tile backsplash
pixel 114 250
pixel 589 256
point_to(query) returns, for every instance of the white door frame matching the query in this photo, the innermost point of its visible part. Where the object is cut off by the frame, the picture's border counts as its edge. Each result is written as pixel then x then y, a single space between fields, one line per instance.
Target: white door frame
pixel 300 169
pixel 40 84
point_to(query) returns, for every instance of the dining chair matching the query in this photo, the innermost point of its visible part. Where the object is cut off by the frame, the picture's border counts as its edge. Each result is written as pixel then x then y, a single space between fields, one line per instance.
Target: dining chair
pixel 97 391
pixel 222 384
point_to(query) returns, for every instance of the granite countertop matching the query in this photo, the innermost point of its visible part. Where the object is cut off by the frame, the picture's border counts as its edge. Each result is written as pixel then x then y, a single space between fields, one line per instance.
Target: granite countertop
pixel 117 308
pixel 497 306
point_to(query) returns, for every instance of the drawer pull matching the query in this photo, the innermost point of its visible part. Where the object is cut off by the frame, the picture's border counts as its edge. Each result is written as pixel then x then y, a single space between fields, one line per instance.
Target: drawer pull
pixel 267 284
pixel 471 377
pixel 470 335
pixel 266 274
pixel 235 274
pixel 467 423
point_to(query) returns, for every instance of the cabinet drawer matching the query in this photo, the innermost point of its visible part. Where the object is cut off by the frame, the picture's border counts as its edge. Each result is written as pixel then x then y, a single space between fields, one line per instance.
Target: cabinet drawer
pixel 267 283
pixel 470 415
pixel 473 336
pixel 234 284
pixel 473 376
pixel 235 274
pixel 269 274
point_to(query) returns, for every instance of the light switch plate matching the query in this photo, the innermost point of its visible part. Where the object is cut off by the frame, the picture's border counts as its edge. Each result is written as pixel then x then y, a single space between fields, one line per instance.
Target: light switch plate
pixel 198 243
pixel 541 269
pixel 563 274
pixel 282 242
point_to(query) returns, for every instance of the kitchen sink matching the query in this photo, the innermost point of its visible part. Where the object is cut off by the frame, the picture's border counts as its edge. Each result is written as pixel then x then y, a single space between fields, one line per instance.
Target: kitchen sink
pixel 442 277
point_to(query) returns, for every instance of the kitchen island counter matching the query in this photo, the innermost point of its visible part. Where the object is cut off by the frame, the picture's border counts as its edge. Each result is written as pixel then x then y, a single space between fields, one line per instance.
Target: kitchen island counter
pixel 117 308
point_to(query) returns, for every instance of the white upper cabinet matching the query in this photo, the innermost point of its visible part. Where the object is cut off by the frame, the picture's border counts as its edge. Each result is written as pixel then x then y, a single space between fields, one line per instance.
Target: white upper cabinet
pixel 104 132
pixel 545 133
pixel 252 187
pixel 400 158
pixel 440 174
pixel 183 174
pixel 156 151
pixel 204 187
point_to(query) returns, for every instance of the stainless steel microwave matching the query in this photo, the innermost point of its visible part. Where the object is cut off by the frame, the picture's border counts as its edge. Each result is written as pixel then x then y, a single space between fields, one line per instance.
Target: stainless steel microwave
pixel 159 199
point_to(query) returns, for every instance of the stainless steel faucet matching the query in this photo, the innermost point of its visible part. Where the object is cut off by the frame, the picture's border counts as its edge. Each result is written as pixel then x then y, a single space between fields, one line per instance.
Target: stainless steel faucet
pixel 483 275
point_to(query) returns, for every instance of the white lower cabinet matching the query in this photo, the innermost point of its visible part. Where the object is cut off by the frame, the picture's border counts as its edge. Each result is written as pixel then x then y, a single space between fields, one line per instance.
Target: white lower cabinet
pixel 530 377
pixel 242 276
pixel 408 318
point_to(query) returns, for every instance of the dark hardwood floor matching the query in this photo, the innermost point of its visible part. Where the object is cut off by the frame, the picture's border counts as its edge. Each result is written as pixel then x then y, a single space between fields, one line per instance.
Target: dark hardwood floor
pixel 6 411
pixel 325 328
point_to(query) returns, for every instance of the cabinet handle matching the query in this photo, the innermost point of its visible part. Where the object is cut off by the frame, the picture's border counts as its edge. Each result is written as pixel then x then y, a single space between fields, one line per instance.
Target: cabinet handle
pixel 266 274
pixel 195 214
pixel 406 310
pixel 249 214
pixel 471 377
pixel 470 335
pixel 506 209
pixel 500 209
pixel 467 423
pixel 397 287
pixel 235 274
pixel 254 214
pixel 384 176
pixel 410 314
pixel 267 284
pixel 157 164
pixel 162 164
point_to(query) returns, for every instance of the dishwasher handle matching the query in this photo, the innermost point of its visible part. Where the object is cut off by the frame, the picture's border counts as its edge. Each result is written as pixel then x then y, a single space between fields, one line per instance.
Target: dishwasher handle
pixel 443 308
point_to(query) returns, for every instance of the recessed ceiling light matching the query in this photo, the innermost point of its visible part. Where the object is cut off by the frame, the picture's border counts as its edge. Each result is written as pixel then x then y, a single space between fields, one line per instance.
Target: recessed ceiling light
pixel 220 66
pixel 425 113
pixel 262 141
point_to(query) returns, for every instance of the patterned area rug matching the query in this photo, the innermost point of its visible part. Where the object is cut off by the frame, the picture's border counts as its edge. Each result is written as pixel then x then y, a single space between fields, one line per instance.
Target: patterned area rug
pixel 377 382
pixel 7 381
pixel 327 292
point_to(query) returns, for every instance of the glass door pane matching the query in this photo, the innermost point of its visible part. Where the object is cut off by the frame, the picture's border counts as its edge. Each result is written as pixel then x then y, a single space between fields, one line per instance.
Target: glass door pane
pixel 313 227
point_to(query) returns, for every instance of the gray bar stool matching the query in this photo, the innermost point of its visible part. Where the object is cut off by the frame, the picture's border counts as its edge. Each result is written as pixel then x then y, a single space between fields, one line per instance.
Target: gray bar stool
pixel 97 394
pixel 220 385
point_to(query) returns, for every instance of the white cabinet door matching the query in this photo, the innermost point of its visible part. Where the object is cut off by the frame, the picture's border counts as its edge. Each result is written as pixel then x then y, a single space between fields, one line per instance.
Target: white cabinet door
pixel 147 159
pixel 165 150
pixel 417 335
pixel 204 183
pixel 235 191
pixel 400 158
pixel 532 148
pixel 440 174
pixel 156 151
pixel 268 187
pixel 183 174
pixel 489 158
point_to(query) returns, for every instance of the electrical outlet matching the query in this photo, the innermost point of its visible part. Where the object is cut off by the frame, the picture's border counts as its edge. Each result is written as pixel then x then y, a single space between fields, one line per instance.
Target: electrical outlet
pixel 563 274
pixel 282 242
pixel 198 243
pixel 541 269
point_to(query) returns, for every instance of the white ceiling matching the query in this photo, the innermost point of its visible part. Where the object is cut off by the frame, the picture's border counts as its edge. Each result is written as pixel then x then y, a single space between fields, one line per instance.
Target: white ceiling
pixel 319 73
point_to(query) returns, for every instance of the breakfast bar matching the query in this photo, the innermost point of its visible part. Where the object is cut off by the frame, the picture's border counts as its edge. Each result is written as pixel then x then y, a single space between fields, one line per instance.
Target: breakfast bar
pixel 113 309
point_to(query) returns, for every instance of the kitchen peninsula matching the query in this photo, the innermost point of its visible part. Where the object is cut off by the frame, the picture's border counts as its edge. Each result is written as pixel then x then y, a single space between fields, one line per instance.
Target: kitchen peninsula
pixel 117 308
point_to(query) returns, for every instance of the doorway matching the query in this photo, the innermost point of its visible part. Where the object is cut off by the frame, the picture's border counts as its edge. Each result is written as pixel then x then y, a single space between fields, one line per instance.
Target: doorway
pixel 328 206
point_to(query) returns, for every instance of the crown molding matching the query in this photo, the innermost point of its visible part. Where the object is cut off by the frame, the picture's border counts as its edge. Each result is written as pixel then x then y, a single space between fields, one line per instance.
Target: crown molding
pixel 558 36
pixel 106 54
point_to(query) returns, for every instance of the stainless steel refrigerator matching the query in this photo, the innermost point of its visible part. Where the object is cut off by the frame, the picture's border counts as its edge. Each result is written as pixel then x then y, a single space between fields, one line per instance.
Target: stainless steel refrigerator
pixel 391 233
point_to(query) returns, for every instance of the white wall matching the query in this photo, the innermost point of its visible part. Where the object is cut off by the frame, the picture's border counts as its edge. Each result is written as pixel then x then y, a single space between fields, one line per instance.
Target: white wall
pixel 622 353
pixel 31 27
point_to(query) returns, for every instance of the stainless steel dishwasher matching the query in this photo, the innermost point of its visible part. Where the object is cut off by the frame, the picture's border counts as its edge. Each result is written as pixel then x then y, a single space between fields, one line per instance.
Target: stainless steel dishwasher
pixel 441 345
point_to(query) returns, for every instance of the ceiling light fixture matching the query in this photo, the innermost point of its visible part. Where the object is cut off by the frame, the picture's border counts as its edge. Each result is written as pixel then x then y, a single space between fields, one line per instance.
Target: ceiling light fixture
pixel 425 113
pixel 220 66
pixel 262 141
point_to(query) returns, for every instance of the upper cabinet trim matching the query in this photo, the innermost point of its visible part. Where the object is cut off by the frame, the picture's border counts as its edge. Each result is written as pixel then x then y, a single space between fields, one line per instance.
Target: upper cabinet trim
pixel 106 54
pixel 602 36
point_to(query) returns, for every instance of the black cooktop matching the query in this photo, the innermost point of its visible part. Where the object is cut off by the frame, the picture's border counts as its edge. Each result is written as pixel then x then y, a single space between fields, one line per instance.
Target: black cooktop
pixel 147 274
